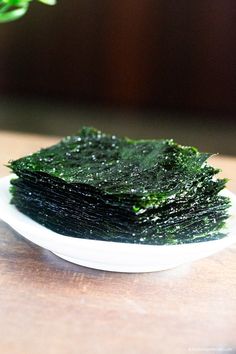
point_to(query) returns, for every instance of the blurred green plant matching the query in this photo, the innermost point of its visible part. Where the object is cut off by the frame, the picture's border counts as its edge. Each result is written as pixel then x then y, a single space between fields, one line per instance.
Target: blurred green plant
pixel 11 10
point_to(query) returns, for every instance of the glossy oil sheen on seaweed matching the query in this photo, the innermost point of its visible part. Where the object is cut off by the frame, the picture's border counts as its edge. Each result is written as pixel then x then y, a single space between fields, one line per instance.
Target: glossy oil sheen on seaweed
pixel 97 186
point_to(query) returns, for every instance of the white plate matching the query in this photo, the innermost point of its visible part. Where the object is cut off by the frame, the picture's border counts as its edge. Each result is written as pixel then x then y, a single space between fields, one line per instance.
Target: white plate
pixel 111 256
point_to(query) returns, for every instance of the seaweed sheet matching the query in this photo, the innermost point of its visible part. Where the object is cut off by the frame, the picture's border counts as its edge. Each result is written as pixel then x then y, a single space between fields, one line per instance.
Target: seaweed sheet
pixel 98 186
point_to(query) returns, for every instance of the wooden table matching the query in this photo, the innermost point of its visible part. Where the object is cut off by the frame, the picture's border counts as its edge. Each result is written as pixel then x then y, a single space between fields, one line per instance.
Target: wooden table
pixel 50 306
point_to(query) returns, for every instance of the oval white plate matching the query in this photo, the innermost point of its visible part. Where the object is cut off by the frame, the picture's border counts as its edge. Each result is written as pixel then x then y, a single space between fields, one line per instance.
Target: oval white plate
pixel 111 256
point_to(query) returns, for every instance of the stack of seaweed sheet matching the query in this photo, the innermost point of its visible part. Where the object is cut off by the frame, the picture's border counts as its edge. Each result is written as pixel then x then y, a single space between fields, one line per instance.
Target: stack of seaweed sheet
pixel 97 186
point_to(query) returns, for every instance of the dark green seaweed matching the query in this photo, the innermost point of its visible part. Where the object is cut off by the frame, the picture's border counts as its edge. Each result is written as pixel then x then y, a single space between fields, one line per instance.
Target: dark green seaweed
pixel 98 186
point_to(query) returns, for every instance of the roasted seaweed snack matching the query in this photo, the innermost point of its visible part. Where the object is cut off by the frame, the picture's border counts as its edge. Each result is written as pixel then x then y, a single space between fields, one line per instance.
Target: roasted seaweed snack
pixel 97 186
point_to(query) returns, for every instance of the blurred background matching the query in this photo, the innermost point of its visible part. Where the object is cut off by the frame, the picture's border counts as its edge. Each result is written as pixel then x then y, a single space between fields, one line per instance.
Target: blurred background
pixel 140 68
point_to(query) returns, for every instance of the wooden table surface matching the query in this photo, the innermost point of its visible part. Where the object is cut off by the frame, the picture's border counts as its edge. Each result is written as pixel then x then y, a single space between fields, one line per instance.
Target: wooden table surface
pixel 49 306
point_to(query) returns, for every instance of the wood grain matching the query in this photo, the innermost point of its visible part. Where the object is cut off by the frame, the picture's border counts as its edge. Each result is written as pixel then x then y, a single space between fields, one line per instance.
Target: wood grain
pixel 50 306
